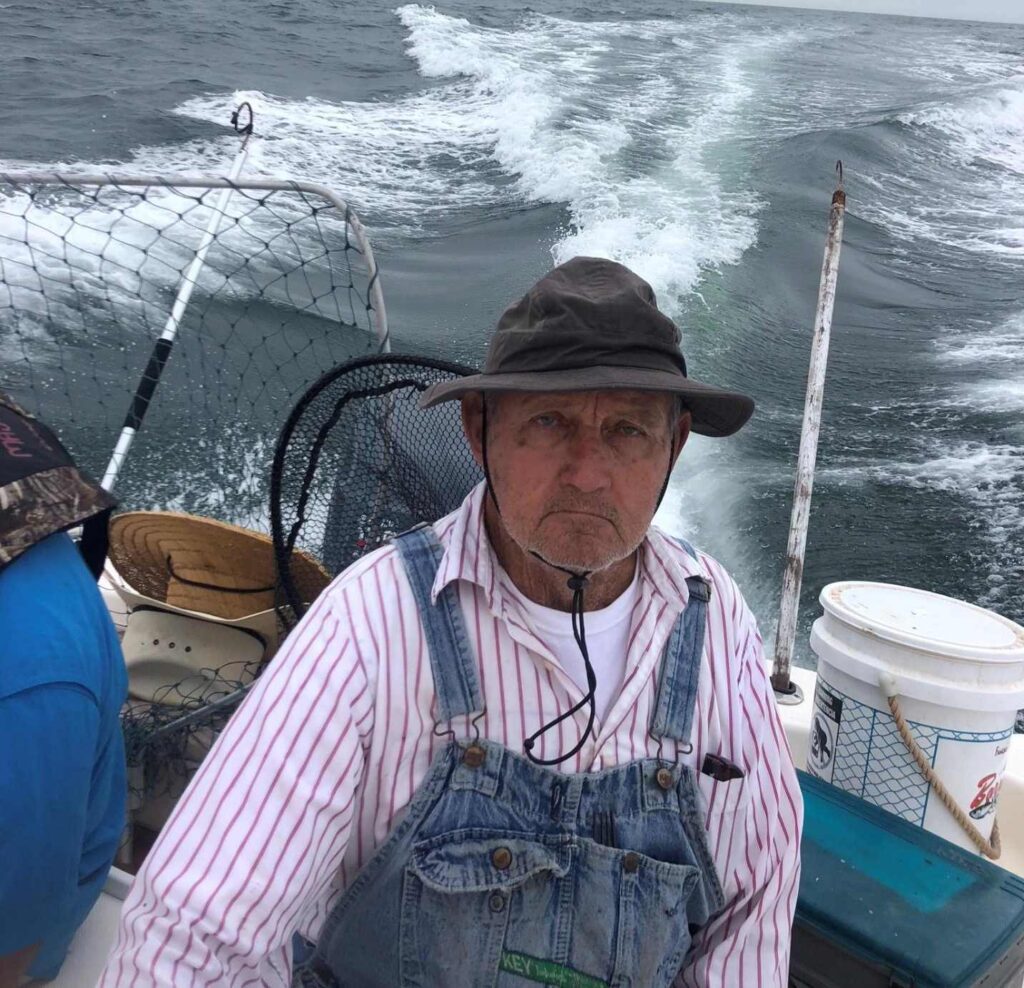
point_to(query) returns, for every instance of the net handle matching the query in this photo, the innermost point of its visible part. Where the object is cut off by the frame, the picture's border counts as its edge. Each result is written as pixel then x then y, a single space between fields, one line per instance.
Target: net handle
pixel 162 348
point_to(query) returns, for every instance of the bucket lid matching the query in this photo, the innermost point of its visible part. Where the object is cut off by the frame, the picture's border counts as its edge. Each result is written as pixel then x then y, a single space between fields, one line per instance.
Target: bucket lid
pixel 928 622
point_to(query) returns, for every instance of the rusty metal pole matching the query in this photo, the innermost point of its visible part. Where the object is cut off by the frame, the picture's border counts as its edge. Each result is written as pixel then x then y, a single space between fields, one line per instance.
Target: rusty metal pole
pixel 786 633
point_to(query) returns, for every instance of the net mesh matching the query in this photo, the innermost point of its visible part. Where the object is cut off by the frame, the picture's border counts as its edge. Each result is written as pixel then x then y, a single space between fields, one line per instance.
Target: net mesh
pixel 88 278
pixel 89 274
pixel 166 739
pixel 358 462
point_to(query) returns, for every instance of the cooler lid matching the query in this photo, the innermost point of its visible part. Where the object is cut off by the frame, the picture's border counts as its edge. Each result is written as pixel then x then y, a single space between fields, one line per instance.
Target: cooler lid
pixel 926 621
pixel 901 897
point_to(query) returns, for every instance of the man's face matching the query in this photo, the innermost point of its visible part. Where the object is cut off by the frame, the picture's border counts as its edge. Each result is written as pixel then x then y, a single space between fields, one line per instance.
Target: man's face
pixel 577 475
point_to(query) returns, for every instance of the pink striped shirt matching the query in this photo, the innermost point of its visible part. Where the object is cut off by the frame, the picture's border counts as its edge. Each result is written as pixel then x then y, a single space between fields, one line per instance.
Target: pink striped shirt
pixel 310 774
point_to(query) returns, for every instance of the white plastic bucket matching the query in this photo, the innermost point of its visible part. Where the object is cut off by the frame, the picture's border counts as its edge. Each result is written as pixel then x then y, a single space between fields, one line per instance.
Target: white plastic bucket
pixel 958 671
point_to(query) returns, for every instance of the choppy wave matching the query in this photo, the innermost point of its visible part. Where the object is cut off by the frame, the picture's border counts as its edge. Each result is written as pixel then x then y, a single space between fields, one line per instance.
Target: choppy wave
pixel 988 478
pixel 953 175
pixel 633 155
pixel 988 127
pixel 540 114
pixel 993 357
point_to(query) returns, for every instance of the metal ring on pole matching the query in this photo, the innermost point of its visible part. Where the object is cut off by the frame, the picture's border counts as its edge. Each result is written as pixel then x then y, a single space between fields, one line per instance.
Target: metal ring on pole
pixel 245 129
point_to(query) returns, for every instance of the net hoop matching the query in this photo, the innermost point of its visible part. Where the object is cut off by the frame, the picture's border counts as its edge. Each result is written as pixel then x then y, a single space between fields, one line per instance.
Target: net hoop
pixel 284 540
pixel 377 314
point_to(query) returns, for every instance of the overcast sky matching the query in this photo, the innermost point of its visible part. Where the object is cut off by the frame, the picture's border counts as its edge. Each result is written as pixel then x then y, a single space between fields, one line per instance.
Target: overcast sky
pixel 975 10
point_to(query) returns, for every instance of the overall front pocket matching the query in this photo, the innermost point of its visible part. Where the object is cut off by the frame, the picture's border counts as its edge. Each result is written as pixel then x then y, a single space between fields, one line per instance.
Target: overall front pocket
pixel 461 891
pixel 484 907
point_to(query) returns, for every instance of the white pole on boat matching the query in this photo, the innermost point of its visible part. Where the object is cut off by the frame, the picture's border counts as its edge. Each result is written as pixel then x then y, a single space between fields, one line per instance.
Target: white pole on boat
pixel 786 633
pixel 162 350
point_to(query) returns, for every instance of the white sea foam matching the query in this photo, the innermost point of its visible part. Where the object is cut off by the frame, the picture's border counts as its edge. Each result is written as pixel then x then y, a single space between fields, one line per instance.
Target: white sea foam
pixel 998 353
pixel 987 127
pixel 990 479
pixel 540 105
pixel 959 180
pixel 994 347
pixel 570 135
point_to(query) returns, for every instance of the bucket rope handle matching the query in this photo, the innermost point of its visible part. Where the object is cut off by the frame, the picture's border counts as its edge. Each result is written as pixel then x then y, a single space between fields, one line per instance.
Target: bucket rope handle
pixel 990 848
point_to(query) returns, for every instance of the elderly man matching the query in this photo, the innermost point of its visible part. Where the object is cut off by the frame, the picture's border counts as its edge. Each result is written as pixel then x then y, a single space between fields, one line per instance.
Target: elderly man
pixel 531 744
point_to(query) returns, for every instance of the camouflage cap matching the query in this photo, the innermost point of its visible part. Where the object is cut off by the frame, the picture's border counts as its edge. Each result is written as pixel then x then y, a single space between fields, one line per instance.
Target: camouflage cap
pixel 42 491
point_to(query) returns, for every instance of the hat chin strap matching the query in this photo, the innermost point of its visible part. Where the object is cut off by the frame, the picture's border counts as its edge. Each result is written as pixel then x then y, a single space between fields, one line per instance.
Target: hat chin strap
pixel 577 584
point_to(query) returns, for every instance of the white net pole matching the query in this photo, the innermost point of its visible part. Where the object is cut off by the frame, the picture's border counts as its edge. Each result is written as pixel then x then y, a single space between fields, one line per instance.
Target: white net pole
pixel 162 350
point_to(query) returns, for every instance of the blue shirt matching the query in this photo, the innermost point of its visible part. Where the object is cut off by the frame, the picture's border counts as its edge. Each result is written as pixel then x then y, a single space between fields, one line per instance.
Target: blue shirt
pixel 62 772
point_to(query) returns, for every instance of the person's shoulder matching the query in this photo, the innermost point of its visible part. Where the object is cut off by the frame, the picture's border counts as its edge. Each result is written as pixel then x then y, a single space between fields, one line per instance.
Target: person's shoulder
pixel 57 627
pixel 363 571
pixel 378 578
pixel 726 596
pixel 692 560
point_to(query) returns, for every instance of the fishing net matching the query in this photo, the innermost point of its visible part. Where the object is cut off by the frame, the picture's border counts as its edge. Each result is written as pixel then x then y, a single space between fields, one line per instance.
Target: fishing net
pixel 89 274
pixel 359 462
pixel 167 738
pixel 90 271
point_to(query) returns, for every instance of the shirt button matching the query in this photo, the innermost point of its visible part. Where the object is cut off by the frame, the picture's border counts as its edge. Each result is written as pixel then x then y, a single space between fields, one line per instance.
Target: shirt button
pixel 631 862
pixel 665 778
pixel 496 902
pixel 474 756
pixel 501 858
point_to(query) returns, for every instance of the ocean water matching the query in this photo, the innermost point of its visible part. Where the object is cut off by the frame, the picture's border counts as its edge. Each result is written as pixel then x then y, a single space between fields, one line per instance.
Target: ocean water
pixel 696 143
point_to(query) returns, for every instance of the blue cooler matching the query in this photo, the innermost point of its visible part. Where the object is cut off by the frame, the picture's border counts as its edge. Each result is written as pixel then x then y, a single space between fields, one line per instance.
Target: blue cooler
pixel 884 903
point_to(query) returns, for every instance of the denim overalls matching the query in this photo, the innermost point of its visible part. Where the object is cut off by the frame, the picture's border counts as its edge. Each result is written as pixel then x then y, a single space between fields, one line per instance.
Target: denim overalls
pixel 503 873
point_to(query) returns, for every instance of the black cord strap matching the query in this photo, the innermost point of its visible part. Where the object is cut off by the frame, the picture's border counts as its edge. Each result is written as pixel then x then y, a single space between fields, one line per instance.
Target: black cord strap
pixel 577 583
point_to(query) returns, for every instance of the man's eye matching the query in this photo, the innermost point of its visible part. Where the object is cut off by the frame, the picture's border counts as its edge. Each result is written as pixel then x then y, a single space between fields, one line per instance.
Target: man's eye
pixel 545 421
pixel 626 429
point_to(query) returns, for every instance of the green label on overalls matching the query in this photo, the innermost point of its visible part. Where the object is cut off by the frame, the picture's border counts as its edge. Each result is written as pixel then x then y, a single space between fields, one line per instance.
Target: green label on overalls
pixel 547 972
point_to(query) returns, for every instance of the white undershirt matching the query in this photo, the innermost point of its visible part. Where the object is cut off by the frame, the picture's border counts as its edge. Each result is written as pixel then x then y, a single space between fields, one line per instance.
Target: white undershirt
pixel 607 636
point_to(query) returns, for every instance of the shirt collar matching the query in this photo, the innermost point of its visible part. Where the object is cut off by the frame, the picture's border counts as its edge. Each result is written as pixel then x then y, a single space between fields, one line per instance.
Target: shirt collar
pixel 664 564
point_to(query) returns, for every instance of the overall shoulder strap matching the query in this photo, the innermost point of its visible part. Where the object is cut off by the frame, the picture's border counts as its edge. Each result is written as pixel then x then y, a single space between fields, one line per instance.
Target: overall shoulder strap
pixel 680 665
pixel 452 661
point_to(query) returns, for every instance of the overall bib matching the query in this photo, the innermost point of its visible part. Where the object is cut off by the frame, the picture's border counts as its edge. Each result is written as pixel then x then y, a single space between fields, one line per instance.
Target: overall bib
pixel 506 874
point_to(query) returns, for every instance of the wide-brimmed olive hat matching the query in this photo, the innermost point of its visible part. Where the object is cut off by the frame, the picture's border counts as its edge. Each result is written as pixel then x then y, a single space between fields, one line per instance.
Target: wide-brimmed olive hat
pixel 593 325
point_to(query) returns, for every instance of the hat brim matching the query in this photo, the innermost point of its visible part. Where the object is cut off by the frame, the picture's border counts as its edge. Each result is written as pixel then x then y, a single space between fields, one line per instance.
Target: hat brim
pixel 202 565
pixel 715 412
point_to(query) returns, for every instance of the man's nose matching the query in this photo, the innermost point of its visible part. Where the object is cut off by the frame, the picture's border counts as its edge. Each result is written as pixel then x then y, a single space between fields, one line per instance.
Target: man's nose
pixel 587 465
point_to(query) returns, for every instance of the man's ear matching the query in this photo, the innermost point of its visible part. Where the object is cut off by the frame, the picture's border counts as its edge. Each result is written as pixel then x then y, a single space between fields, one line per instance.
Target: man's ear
pixel 473 424
pixel 682 433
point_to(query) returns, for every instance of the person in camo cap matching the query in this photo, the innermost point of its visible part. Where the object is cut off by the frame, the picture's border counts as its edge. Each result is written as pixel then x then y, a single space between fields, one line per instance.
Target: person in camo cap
pixel 533 743
pixel 62 683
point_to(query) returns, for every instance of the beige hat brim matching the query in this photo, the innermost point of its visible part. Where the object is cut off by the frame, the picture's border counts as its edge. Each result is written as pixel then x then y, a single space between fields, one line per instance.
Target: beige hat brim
pixel 201 565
